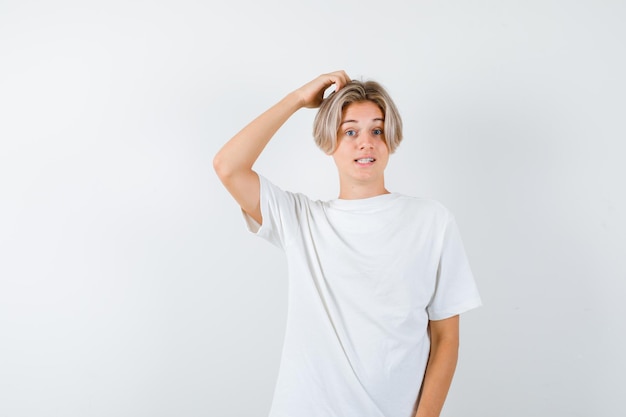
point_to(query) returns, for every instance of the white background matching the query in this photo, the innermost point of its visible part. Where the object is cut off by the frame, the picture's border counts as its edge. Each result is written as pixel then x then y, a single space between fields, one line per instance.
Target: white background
pixel 128 283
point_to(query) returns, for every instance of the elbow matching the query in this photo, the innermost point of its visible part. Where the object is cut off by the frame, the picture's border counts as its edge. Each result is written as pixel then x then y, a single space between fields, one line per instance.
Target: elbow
pixel 221 168
pixel 226 169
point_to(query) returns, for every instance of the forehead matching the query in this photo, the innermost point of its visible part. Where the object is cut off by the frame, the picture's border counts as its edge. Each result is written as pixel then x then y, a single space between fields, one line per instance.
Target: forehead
pixel 361 111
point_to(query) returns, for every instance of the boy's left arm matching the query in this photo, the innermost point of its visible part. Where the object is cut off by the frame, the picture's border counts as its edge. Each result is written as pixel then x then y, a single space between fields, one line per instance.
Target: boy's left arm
pixel 444 349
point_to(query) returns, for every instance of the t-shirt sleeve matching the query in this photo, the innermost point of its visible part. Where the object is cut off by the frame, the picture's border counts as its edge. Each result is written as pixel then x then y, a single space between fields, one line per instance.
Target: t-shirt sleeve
pixel 455 290
pixel 278 210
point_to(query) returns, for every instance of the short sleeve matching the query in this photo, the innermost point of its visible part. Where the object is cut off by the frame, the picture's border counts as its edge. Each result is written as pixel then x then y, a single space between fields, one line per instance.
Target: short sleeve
pixel 278 212
pixel 456 291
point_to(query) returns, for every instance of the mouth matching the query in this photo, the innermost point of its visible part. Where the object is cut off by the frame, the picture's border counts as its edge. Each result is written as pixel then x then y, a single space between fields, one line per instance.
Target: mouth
pixel 364 160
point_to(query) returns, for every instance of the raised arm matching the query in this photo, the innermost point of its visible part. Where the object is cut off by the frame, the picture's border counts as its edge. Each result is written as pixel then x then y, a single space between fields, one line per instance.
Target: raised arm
pixel 444 349
pixel 233 163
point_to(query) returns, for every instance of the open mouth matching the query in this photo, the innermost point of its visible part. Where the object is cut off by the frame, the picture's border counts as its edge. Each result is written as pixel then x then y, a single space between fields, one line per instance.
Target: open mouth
pixel 364 160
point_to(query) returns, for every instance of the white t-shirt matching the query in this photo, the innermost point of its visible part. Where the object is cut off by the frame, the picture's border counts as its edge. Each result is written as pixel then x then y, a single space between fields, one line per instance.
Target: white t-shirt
pixel 365 277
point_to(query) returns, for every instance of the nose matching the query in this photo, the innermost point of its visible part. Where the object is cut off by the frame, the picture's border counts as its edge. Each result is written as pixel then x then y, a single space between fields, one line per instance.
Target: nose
pixel 366 141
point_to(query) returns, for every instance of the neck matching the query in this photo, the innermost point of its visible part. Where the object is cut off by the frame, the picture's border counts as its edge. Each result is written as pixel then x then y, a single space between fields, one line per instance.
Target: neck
pixel 358 191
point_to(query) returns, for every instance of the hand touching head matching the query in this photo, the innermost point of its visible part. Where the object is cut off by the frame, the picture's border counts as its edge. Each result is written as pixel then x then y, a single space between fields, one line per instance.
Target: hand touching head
pixel 329 116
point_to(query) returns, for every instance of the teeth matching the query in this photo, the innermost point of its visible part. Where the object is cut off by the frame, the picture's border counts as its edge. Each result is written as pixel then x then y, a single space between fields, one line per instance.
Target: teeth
pixel 365 160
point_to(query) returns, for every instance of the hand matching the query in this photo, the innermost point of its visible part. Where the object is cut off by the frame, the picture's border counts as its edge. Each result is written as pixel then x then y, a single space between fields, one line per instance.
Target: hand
pixel 312 93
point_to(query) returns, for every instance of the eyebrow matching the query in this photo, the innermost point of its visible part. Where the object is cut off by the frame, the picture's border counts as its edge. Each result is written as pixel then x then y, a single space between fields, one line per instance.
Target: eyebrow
pixel 378 119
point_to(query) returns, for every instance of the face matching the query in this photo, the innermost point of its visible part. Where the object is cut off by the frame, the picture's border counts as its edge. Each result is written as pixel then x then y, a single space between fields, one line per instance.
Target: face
pixel 362 154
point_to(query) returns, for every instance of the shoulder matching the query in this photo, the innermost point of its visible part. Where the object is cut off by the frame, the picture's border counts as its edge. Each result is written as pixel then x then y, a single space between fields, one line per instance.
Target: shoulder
pixel 424 207
pixel 271 191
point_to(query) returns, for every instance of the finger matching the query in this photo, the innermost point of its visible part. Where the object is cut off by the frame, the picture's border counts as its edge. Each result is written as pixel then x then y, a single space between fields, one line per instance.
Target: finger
pixel 326 82
pixel 341 79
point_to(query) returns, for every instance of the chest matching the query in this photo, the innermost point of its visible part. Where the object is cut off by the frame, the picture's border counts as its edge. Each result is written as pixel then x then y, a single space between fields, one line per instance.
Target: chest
pixel 385 260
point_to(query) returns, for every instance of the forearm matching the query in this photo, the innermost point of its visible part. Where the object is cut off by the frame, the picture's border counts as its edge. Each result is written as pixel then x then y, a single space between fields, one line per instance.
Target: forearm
pixel 440 369
pixel 240 152
pixel 233 163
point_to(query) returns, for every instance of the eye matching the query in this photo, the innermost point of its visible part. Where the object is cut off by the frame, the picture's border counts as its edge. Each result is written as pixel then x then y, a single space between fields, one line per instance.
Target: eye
pixel 351 132
pixel 377 132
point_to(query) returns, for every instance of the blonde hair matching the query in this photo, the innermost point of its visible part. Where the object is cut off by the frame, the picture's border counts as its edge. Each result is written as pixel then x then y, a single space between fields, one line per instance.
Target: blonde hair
pixel 328 118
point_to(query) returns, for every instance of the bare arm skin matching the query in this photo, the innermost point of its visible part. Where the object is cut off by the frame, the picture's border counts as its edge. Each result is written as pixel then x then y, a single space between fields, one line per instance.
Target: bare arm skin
pixel 444 348
pixel 233 163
